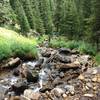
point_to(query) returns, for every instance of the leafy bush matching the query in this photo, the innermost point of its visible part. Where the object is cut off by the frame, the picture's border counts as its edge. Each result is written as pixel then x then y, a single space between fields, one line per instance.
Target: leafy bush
pixel 12 44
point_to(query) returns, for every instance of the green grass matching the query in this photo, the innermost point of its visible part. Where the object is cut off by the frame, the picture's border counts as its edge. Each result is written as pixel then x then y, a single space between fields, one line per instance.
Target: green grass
pixel 13 44
pixel 81 46
pixel 97 58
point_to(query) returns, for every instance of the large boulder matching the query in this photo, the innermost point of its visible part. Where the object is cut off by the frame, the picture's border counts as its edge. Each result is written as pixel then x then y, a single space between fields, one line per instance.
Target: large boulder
pixel 18 87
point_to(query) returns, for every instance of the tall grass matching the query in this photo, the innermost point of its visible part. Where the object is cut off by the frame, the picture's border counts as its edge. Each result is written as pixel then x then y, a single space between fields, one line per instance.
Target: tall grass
pixel 13 44
pixel 81 46
pixel 97 58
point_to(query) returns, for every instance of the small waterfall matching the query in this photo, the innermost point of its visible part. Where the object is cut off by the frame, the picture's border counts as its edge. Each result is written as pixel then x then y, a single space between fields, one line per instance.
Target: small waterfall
pixel 41 77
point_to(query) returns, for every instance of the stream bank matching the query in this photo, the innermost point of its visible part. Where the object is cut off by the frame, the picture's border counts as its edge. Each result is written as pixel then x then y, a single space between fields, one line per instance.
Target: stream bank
pixel 57 74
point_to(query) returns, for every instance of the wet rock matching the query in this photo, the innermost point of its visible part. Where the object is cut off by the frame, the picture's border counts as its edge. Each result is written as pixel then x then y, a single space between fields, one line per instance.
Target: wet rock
pixel 2 92
pixel 61 75
pixel 40 62
pixel 25 73
pixel 58 92
pixel 16 72
pixel 89 85
pixel 70 89
pixel 19 87
pixel 57 82
pixel 46 88
pixel 46 53
pixel 31 95
pixel 64 51
pixel 62 58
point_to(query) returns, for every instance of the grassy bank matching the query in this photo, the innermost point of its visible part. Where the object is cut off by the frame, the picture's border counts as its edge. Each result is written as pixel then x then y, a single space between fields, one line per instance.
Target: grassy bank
pixel 82 46
pixel 58 42
pixel 13 44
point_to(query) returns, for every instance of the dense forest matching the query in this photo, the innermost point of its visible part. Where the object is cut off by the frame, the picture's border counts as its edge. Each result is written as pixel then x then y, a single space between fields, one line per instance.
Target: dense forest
pixel 76 19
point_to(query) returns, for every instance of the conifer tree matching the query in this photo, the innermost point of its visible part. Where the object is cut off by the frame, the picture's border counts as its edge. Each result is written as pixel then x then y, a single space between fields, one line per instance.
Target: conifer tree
pixel 28 10
pixel 36 12
pixel 46 15
pixel 18 8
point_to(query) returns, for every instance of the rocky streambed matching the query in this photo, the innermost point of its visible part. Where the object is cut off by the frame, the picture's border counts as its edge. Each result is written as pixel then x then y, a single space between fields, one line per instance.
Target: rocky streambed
pixel 57 74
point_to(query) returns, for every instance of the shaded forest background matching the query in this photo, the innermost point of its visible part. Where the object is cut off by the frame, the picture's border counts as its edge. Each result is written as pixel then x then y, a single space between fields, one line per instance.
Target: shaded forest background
pixel 74 19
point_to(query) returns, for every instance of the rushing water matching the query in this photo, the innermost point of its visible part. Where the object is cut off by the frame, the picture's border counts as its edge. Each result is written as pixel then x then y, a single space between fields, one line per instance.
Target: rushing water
pixel 7 79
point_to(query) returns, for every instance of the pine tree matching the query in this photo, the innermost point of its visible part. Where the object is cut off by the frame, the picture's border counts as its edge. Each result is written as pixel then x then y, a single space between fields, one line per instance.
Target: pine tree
pixel 46 15
pixel 96 28
pixel 36 13
pixel 28 10
pixel 69 23
pixel 58 15
pixel 23 21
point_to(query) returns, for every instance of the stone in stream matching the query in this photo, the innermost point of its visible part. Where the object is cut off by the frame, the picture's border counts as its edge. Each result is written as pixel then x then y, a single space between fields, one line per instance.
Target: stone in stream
pixel 39 62
pixel 18 87
pixel 46 53
pixel 30 76
pixel 16 72
pixel 2 92
pixel 46 88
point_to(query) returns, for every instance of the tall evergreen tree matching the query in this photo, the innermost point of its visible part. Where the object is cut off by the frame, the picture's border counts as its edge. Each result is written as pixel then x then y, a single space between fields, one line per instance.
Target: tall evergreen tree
pixel 28 11
pixel 18 8
pixel 69 23
pixel 46 15
pixel 96 28
pixel 36 12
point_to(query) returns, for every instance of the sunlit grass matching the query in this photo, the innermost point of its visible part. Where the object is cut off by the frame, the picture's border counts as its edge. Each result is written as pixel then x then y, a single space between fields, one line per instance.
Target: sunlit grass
pixel 13 44
pixel 97 58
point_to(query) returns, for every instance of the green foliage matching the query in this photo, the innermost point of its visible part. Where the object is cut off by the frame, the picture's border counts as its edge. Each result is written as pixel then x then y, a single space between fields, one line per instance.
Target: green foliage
pixel 26 4
pixel 81 46
pixel 87 48
pixel 97 58
pixel 21 15
pixel 12 44
pixel 41 39
pixel 5 50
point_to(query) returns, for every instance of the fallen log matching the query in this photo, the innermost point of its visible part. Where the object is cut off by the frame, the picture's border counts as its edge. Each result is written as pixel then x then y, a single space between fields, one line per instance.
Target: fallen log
pixel 11 64
pixel 75 64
